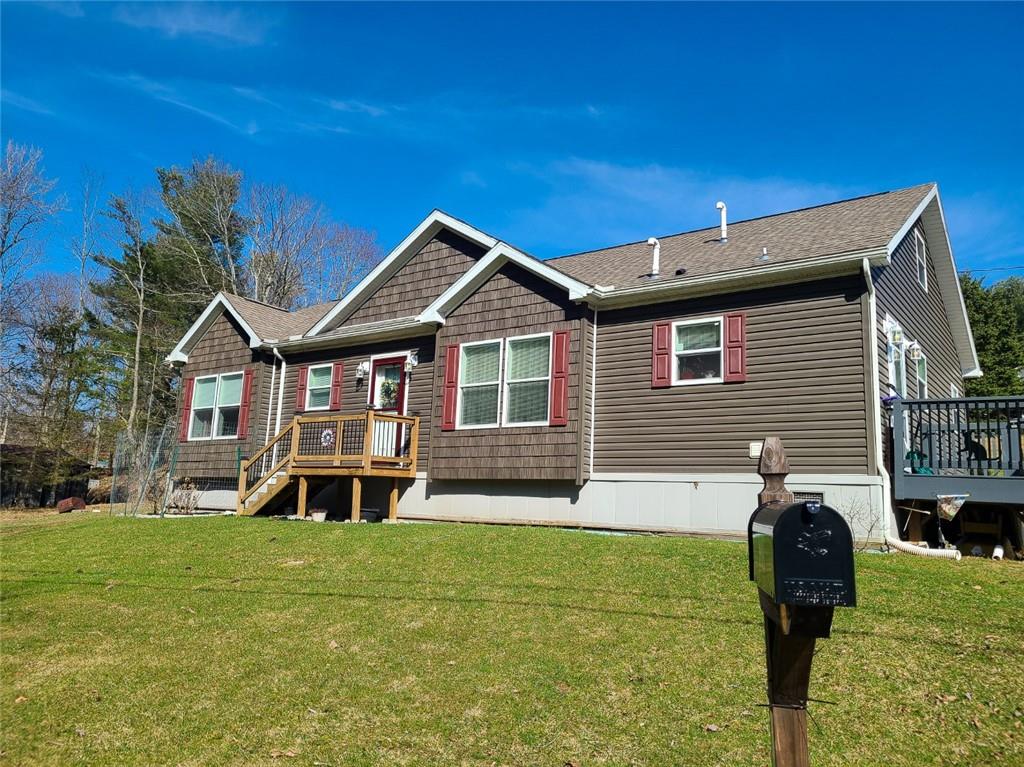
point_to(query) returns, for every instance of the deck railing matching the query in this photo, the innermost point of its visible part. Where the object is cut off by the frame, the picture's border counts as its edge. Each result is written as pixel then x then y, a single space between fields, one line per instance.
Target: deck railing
pixel 364 444
pixel 950 446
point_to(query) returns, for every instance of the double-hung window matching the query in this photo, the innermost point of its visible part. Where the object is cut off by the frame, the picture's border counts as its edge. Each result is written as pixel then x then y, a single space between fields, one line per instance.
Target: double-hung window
pixel 479 383
pixel 697 347
pixel 216 403
pixel 318 387
pixel 921 251
pixel 527 380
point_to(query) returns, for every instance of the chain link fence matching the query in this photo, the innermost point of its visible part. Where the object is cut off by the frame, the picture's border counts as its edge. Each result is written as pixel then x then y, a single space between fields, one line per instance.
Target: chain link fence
pixel 141 471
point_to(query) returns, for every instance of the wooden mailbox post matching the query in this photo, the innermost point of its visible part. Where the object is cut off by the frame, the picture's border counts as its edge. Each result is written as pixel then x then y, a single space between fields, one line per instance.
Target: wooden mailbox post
pixel 801 557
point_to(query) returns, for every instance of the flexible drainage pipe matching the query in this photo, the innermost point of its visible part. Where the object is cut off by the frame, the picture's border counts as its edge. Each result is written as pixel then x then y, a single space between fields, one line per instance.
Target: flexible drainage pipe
pixel 909 548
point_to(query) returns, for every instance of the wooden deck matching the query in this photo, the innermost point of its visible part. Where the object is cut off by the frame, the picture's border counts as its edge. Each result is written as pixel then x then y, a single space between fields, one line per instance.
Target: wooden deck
pixel 369 444
pixel 971 446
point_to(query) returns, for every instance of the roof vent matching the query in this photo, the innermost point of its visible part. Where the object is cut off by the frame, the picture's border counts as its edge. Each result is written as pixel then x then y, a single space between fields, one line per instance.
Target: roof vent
pixel 764 255
pixel 725 227
pixel 680 271
pixel 656 256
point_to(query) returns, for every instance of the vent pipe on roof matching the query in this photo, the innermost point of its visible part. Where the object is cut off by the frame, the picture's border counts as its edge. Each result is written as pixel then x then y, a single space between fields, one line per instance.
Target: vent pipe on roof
pixel 725 227
pixel 656 257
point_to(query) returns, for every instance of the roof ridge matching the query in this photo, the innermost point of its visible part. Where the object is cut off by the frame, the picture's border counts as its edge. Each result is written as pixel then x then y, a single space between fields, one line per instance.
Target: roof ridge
pixel 747 220
pixel 229 296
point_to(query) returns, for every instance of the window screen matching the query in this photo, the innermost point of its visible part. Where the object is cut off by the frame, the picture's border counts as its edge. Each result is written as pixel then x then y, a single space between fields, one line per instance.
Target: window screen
pixel 698 349
pixel 479 374
pixel 527 378
pixel 318 387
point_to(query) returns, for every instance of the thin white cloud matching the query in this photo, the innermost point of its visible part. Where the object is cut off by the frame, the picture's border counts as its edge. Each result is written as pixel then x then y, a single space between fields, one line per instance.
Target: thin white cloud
pixel 593 204
pixel 356 107
pixel 170 94
pixel 73 10
pixel 13 99
pixel 242 25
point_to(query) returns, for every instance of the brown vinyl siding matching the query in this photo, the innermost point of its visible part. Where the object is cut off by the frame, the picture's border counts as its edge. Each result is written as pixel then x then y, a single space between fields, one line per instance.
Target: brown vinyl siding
pixel 426 276
pixel 805 383
pixel 223 349
pixel 512 302
pixel 922 315
pixel 419 384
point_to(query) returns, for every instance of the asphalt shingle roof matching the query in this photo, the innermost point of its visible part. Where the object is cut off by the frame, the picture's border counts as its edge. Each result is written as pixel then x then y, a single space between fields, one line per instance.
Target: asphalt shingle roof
pixel 840 227
pixel 273 322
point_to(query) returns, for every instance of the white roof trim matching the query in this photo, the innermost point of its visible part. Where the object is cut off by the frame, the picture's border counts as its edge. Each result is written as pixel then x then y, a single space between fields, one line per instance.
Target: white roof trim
pixel 909 223
pixel 482 270
pixel 201 325
pixel 934 222
pixel 395 260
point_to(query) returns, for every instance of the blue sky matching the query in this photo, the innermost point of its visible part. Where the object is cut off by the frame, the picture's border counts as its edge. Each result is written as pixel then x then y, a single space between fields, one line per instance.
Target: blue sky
pixel 555 127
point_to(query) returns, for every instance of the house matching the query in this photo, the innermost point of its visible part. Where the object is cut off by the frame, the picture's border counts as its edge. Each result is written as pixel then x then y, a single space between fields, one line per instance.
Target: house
pixel 623 388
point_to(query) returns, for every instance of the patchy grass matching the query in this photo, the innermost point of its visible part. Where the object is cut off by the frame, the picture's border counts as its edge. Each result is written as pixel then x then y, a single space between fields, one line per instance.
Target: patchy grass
pixel 251 641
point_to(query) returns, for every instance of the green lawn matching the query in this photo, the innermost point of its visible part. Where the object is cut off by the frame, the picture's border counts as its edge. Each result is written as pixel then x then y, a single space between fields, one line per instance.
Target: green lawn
pixel 253 641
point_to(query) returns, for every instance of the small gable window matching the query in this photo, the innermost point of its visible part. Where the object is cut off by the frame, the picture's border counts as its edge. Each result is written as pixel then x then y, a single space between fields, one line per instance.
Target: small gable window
pixel 922 259
pixel 479 382
pixel 318 387
pixel 216 406
pixel 527 380
pixel 698 351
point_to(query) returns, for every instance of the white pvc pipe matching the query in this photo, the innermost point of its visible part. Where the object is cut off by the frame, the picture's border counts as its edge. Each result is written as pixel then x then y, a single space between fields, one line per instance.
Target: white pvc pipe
pixel 909 548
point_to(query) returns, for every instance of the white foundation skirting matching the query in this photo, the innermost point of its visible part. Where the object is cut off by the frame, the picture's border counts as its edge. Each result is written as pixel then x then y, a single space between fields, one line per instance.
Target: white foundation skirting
pixel 702 503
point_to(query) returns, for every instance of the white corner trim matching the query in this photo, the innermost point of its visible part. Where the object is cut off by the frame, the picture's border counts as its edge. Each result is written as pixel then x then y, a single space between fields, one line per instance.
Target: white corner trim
pixel 201 325
pixel 483 269
pixel 395 260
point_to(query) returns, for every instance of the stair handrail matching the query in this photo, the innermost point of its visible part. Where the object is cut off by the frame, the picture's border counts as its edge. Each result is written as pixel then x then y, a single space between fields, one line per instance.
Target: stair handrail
pixel 244 491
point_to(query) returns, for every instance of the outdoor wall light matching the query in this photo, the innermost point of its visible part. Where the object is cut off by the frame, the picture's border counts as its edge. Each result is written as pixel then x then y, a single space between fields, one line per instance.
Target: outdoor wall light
pixel 411 361
pixel 362 370
pixel 914 351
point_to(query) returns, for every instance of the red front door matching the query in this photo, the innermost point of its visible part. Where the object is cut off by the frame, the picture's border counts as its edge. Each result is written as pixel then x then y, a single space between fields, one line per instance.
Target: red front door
pixel 387 395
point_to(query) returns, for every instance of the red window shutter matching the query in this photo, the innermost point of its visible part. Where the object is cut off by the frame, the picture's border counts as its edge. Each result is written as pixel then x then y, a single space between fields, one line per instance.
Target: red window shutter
pixel 661 355
pixel 451 387
pixel 735 348
pixel 337 378
pixel 186 408
pixel 243 408
pixel 560 379
pixel 300 388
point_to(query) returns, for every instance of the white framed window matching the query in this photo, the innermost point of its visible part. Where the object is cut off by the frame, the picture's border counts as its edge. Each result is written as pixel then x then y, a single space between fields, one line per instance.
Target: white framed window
pixel 479 384
pixel 216 403
pixel 954 392
pixel 527 380
pixel 318 386
pixel 922 377
pixel 697 351
pixel 921 250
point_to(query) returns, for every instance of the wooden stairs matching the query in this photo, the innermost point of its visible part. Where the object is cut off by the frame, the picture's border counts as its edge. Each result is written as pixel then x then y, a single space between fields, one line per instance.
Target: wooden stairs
pixel 369 444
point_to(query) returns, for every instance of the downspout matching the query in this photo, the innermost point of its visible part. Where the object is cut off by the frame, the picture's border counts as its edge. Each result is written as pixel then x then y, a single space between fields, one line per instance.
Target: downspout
pixel 874 404
pixel 270 400
pixel 593 389
pixel 280 390
pixel 876 399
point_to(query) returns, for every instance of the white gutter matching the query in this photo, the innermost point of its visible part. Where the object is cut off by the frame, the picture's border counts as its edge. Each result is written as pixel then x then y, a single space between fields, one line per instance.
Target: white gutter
pixel 757 276
pixel 270 401
pixel 280 390
pixel 874 405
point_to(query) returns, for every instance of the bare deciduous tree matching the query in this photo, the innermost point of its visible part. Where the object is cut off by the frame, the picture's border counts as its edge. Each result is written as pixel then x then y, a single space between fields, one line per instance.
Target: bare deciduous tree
pixel 25 206
pixel 345 253
pixel 298 255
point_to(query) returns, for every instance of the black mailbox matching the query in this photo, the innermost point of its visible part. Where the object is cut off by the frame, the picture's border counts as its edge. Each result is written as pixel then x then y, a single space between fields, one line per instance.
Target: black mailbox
pixel 801 554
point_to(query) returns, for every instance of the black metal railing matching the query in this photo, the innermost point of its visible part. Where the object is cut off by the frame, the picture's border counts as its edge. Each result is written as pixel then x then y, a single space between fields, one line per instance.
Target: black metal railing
pixel 977 437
